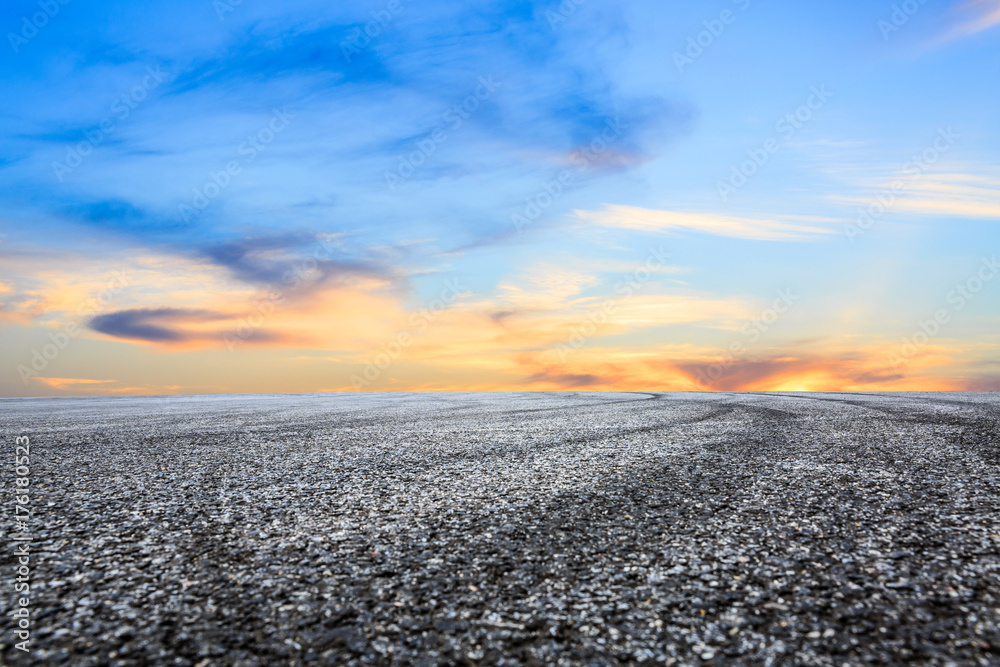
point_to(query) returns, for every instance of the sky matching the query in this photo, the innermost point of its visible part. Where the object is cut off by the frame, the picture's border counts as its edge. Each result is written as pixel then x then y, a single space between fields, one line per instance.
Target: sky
pixel 231 196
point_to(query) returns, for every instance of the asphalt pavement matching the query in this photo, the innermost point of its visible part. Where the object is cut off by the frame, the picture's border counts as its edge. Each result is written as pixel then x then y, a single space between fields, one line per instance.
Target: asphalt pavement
pixel 513 529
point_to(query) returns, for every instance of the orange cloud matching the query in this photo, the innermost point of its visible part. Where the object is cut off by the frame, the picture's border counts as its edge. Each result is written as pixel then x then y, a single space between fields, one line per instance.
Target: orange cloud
pixel 69 383
pixel 688 368
pixel 103 387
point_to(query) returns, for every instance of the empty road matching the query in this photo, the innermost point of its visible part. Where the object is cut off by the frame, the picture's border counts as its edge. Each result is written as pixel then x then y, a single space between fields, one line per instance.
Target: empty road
pixel 563 528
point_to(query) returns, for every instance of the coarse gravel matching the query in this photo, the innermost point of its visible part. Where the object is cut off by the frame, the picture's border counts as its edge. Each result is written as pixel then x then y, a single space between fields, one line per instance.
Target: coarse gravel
pixel 510 529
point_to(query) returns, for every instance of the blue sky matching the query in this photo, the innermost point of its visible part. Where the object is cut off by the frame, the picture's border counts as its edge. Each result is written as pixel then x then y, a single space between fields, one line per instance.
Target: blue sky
pixel 226 141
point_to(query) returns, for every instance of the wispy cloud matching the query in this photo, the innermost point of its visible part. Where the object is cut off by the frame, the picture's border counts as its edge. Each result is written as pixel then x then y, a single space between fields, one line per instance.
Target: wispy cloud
pixel 961 195
pixel 305 261
pixel 974 17
pixel 21 308
pixel 759 229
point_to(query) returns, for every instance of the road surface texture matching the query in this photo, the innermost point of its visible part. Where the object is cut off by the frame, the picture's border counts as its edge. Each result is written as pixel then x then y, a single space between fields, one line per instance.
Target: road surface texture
pixel 534 529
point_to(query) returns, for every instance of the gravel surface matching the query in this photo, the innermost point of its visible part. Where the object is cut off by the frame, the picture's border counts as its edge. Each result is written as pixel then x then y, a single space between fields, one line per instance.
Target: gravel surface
pixel 570 528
